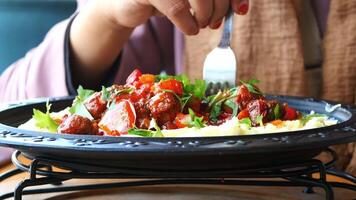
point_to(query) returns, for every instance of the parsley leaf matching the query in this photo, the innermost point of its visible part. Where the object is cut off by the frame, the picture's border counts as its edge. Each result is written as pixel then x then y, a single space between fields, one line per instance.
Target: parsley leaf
pixel 157 132
pixel 233 106
pixel 196 121
pixel 127 90
pixel 215 111
pixel 277 112
pixel 78 106
pixel 306 118
pixel 185 99
pixel 44 120
pixel 250 85
pixel 246 121
pixel 259 120
pixel 105 94
pixel 147 133
pixel 197 88
pixel 140 132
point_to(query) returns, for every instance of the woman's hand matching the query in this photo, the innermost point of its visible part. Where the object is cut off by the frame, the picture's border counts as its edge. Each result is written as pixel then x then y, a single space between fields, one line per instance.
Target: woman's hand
pixel 101 28
pixel 188 15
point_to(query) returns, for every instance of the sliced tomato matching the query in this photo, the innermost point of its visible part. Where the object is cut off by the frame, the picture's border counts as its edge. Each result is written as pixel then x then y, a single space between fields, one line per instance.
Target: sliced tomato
pixel 118 119
pixel 122 97
pixel 133 77
pixel 290 113
pixel 182 120
pixel 147 78
pixel 243 114
pixel 171 84
pixel 143 91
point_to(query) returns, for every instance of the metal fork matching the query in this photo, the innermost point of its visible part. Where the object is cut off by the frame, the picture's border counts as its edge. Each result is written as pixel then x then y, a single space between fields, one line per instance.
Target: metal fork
pixel 220 64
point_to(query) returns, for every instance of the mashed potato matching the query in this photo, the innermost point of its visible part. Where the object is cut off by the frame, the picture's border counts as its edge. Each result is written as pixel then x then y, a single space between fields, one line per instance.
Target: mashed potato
pixel 235 127
pixel 229 128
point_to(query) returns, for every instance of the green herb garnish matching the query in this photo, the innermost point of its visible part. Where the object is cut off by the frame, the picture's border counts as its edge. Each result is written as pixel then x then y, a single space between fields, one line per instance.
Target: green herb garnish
pixel 78 106
pixel 231 104
pixel 44 120
pixel 259 120
pixel 250 85
pixel 306 118
pixel 277 112
pixel 140 132
pixel 197 88
pixel 215 102
pixel 246 121
pixel 105 94
pixel 197 122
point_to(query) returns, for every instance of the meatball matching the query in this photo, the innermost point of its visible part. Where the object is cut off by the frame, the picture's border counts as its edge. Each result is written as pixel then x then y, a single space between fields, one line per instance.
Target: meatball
pixel 257 108
pixel 164 107
pixel 95 105
pixel 244 96
pixel 76 124
pixel 142 114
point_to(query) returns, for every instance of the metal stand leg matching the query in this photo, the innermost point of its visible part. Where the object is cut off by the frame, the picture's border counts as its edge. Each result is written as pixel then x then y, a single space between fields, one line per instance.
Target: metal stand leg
pixel 41 173
pixel 30 182
pixel 309 189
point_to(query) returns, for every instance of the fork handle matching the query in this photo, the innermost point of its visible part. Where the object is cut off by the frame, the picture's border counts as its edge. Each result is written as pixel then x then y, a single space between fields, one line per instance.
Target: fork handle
pixel 226 37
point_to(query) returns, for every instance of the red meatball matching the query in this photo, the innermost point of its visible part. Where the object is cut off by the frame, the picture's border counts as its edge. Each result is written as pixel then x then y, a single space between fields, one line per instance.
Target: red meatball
pixel 244 96
pixel 142 114
pixel 95 105
pixel 257 108
pixel 164 107
pixel 76 124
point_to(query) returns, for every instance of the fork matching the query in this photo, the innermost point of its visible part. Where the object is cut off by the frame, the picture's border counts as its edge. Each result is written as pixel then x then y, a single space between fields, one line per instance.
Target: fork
pixel 220 64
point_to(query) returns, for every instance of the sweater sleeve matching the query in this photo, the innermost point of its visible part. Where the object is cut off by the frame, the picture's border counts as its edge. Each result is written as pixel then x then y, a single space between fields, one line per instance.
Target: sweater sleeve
pixel 40 73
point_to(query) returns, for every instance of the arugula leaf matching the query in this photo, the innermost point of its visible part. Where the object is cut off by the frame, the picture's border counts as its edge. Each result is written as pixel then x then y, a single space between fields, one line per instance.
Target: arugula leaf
pixel 254 81
pixel 178 97
pixel 182 78
pixel 105 94
pixel 259 120
pixel 277 112
pixel 78 103
pixel 215 102
pixel 246 121
pixel 196 121
pixel 215 111
pixel 140 132
pixel 157 132
pixel 233 106
pixel 44 120
pixel 199 88
pixel 250 86
pixel 306 118
pixel 184 100
pixel 127 90
pixel 147 133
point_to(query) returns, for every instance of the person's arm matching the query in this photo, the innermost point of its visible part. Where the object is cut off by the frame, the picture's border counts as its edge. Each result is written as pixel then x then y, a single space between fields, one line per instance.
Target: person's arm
pixel 101 29
pixel 95 44
pixel 96 38
pixel 40 73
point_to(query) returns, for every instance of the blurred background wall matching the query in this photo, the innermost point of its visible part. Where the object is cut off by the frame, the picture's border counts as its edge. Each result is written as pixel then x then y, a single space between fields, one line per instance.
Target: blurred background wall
pixel 24 23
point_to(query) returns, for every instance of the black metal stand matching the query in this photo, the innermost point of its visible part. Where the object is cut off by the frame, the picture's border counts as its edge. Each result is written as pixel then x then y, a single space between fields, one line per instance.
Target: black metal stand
pixel 42 172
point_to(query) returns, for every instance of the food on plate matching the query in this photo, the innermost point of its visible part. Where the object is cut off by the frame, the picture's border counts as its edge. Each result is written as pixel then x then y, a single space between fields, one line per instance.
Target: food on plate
pixel 172 106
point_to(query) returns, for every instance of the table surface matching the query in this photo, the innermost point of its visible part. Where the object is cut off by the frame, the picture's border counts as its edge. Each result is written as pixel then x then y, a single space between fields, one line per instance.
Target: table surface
pixel 175 192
